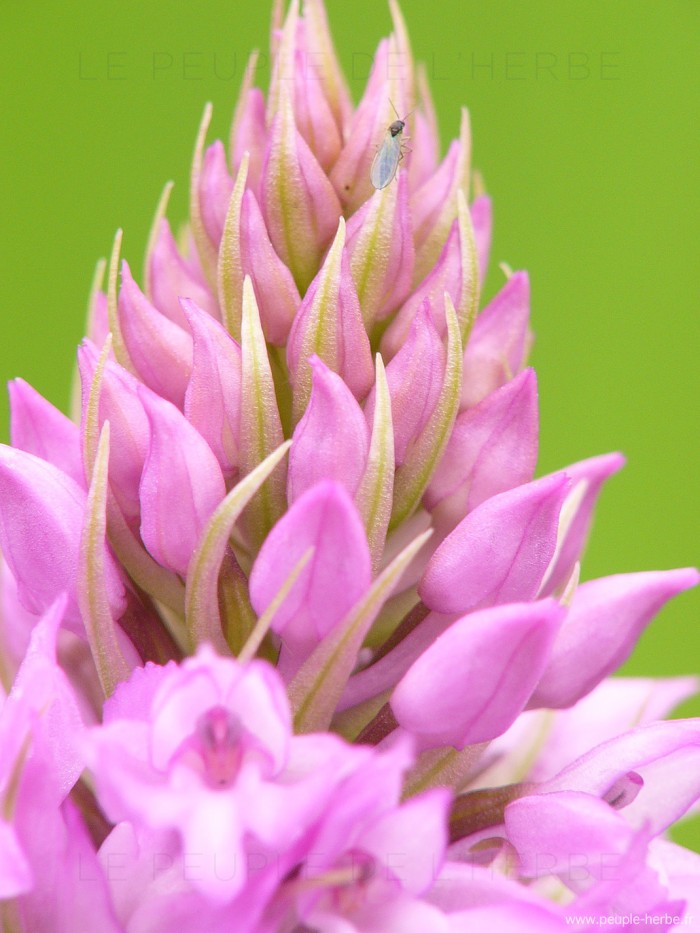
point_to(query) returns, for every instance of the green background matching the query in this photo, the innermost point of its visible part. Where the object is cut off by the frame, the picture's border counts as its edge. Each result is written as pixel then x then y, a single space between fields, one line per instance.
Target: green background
pixel 585 128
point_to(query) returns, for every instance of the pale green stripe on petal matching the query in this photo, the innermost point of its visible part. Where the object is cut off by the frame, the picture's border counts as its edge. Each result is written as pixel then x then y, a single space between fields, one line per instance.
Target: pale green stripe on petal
pixel 205 248
pixel 318 686
pixel 413 476
pixel 112 666
pixel 230 267
pixel 469 292
pixel 202 603
pixel 320 327
pixel 153 238
pixel 261 428
pixel 242 100
pixel 118 345
pixel 263 624
pixel 147 573
pixel 374 497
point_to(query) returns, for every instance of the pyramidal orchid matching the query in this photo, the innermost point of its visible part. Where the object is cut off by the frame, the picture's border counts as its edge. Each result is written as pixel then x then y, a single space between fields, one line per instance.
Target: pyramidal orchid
pixel 291 637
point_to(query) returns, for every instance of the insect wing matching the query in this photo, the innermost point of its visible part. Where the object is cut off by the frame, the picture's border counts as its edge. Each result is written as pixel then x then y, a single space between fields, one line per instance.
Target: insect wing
pixel 386 161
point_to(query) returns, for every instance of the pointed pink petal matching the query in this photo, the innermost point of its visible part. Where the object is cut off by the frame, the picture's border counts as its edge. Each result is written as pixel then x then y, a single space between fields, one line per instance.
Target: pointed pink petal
pixel 43 701
pixel 424 158
pixel 614 706
pixel 215 187
pixel 336 577
pixel 329 323
pixel 173 277
pixel 250 136
pixel 606 618
pixel 300 207
pixel 180 487
pixel 17 626
pixel 445 276
pixel 388 670
pixel 332 439
pixel 277 296
pixel 499 552
pixel 40 429
pixel 313 114
pixel 374 114
pixel 382 273
pixel 587 478
pixel 492 448
pixel 316 41
pixel 41 517
pixel 482 221
pixel 418 830
pixel 129 431
pixel 665 754
pixel 414 376
pixel 428 202
pixel 213 397
pixel 98 320
pixel 557 832
pixel 160 350
pixel 474 680
pixel 498 344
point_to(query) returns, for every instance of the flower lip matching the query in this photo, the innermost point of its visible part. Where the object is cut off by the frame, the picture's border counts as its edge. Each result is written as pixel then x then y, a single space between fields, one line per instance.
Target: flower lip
pixel 218 734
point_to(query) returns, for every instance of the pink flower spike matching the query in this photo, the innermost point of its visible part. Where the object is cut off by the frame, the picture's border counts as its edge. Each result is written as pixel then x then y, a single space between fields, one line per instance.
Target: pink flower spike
pixel 382 276
pixel 329 324
pixel 160 350
pixel 332 439
pixel 414 377
pixel 213 397
pixel 215 187
pixel 40 429
pixel 180 487
pixel 605 620
pixel 171 277
pixel 499 341
pixel 41 517
pixel 277 295
pixel 301 209
pixel 587 478
pixel 129 432
pixel 499 552
pixel 492 448
pixel 337 576
pixel 473 681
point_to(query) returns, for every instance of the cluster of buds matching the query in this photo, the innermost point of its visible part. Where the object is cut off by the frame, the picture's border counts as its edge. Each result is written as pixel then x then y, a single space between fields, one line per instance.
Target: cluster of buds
pixel 291 639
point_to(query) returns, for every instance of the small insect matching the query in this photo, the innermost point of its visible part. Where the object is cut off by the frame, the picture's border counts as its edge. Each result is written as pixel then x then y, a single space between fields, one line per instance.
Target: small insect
pixel 390 153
